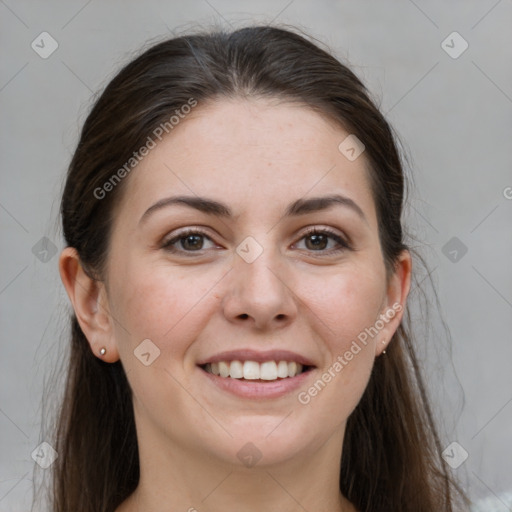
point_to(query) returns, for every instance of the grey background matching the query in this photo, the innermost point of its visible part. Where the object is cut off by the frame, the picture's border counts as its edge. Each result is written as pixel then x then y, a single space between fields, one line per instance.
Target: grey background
pixel 453 114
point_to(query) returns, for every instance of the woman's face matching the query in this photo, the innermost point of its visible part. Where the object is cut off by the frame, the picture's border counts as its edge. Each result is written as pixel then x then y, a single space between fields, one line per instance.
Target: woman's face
pixel 251 284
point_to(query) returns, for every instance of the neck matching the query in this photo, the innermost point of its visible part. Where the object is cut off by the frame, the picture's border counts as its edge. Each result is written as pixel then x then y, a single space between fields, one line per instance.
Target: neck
pixel 184 478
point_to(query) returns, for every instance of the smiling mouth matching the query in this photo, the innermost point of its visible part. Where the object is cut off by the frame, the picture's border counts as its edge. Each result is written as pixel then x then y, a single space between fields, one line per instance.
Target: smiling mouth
pixel 267 371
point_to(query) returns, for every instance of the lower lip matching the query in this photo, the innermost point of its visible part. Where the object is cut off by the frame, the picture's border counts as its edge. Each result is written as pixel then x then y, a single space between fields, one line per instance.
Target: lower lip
pixel 258 389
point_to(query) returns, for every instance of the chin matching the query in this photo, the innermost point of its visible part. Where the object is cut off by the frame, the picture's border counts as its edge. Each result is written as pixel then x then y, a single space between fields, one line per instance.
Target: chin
pixel 259 443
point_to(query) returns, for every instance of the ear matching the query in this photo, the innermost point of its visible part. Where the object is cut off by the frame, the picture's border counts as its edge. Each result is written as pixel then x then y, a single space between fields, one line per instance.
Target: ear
pixel 89 299
pixel 395 300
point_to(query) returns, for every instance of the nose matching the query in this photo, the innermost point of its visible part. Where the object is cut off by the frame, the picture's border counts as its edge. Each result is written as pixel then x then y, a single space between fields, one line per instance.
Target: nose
pixel 260 293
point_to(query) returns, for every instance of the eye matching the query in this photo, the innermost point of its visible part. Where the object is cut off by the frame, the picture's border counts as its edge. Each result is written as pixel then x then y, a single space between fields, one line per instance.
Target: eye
pixel 317 240
pixel 190 240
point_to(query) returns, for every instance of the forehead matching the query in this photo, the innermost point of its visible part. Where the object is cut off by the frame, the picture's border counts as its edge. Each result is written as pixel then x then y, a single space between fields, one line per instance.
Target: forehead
pixel 253 154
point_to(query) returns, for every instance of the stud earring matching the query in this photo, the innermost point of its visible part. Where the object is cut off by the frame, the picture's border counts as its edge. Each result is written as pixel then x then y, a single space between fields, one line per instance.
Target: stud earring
pixel 103 351
pixel 384 342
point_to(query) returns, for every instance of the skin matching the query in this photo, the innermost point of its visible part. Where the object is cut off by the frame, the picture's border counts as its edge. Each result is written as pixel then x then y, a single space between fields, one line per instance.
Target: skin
pixel 257 156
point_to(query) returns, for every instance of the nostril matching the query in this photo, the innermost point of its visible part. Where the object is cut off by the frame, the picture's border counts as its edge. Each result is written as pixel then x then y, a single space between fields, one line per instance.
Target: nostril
pixel 244 316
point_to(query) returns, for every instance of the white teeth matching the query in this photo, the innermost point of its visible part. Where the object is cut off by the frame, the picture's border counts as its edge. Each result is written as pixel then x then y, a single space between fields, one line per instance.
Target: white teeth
pixel 236 370
pixel 268 371
pixel 251 370
pixel 282 369
pixel 223 369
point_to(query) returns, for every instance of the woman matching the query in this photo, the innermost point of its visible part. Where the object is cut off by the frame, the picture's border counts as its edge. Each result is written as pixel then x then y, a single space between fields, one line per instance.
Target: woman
pixel 238 274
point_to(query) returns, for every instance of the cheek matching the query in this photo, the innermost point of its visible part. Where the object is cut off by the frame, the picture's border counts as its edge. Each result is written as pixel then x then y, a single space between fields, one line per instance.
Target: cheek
pixel 171 311
pixel 163 306
pixel 344 307
pixel 343 310
pixel 347 303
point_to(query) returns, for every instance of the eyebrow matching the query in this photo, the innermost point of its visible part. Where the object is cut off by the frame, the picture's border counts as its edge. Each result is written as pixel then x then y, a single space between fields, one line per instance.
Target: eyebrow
pixel 298 207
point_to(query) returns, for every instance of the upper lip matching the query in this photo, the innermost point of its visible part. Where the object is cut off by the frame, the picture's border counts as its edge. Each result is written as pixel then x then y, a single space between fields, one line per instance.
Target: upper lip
pixel 257 356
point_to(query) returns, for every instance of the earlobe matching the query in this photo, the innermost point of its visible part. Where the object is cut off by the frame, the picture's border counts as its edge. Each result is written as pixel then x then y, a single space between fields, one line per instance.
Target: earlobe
pixel 89 301
pixel 396 299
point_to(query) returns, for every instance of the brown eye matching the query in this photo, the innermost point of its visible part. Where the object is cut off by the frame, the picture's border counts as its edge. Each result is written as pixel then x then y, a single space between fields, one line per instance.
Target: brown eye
pixel 318 240
pixel 187 241
pixel 191 242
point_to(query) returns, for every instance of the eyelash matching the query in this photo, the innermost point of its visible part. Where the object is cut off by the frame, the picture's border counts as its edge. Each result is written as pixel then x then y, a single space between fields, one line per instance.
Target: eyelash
pixel 168 245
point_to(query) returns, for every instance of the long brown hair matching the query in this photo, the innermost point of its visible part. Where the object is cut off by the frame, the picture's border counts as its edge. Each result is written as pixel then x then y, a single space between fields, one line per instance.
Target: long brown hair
pixel 392 452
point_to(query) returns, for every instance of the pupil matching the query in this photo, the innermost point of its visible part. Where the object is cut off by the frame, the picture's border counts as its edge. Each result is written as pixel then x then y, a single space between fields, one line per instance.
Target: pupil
pixel 193 245
pixel 318 241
